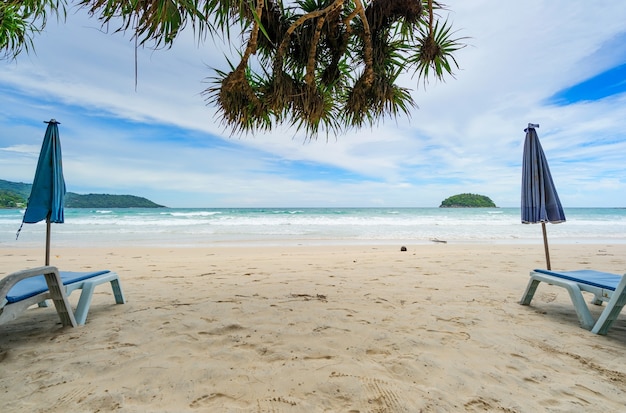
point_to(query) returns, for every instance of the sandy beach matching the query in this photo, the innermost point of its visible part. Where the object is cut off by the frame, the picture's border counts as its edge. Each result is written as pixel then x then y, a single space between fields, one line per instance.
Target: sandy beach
pixel 437 328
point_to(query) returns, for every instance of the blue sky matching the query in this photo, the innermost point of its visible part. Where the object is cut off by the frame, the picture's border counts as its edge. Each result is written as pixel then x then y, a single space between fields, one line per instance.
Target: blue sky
pixel 561 64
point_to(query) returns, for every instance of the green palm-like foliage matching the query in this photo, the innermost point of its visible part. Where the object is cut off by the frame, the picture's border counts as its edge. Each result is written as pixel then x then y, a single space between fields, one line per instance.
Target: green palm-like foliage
pixel 157 21
pixel 332 65
pixel 318 65
pixel 435 55
pixel 20 20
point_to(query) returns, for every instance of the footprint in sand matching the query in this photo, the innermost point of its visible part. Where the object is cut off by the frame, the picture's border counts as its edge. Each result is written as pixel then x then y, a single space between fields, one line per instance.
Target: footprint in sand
pixel 70 399
pixel 451 336
pixel 279 405
pixel 380 395
pixel 481 404
pixel 217 400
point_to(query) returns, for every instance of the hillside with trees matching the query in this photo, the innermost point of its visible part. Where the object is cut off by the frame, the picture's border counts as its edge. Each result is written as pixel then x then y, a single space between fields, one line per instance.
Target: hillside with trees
pixel 467 201
pixel 11 200
pixel 73 200
pixel 15 195
pixel 18 188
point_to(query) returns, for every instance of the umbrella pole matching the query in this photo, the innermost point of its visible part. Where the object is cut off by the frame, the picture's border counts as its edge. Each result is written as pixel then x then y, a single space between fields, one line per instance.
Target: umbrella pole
pixel 545 244
pixel 48 241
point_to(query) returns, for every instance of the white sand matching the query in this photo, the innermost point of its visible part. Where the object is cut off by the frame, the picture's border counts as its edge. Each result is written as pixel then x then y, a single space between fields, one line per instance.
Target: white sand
pixel 316 329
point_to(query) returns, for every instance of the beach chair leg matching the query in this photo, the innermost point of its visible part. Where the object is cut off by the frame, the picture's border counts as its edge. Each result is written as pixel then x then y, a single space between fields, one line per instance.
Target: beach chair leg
pixel 84 302
pixel 117 291
pixel 582 311
pixel 88 287
pixel 584 315
pixel 59 298
pixel 596 300
pixel 530 291
pixel 610 314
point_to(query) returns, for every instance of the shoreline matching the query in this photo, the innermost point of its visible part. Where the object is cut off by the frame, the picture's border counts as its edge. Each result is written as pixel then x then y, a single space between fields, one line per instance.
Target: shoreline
pixel 317 329
pixel 286 243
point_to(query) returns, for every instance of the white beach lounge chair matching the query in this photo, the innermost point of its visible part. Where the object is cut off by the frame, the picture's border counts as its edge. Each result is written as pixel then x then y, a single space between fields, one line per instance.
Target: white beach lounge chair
pixel 22 289
pixel 605 287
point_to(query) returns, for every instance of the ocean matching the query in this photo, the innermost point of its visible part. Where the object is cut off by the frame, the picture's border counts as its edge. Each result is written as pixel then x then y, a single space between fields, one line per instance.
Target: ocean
pixel 198 227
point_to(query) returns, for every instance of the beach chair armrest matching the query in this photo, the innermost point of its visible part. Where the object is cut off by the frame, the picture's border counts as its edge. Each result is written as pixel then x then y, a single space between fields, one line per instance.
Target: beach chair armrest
pixel 10 280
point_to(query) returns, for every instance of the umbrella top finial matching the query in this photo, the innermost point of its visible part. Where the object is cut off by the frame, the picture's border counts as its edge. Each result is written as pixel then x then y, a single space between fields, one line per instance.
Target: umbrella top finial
pixel 531 126
pixel 55 121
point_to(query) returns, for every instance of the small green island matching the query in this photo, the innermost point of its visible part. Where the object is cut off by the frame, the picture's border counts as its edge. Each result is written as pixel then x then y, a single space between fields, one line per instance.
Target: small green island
pixel 467 201
pixel 15 195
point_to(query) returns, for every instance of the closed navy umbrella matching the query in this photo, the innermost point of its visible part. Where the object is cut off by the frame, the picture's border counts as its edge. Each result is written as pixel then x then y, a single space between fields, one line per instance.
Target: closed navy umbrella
pixel 47 196
pixel 540 201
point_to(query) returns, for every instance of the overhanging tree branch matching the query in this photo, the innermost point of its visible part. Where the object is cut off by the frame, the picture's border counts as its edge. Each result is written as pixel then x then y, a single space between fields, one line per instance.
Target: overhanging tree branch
pixel 319 65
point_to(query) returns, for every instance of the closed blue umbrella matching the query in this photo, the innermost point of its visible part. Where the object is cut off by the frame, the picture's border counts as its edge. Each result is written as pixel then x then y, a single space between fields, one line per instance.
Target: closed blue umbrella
pixel 540 201
pixel 47 194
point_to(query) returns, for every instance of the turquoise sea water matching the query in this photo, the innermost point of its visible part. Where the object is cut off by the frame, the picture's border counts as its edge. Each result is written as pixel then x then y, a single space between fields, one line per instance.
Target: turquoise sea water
pixel 309 226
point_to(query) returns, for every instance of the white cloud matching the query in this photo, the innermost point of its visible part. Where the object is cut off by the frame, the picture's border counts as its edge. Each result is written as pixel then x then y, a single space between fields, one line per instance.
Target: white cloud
pixel 23 149
pixel 162 141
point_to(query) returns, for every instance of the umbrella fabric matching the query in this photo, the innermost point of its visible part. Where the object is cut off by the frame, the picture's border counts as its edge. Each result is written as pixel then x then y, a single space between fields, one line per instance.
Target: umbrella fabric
pixel 540 201
pixel 48 192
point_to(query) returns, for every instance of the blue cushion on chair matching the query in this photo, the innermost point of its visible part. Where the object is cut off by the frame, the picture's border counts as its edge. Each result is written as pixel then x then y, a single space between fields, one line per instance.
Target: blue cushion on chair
pixel 598 279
